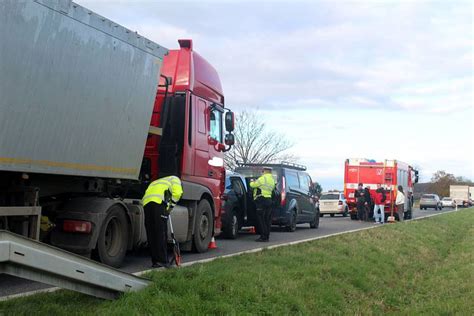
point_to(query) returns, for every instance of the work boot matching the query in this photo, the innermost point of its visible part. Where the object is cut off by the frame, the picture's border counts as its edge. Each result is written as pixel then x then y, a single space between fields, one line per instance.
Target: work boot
pixel 158 265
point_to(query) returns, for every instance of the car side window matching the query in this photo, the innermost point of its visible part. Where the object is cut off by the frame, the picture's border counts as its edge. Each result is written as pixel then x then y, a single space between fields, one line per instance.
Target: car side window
pixel 292 180
pixel 304 181
pixel 237 186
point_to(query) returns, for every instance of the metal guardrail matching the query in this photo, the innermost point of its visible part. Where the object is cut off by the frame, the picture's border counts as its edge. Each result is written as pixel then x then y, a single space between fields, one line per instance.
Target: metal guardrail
pixel 33 260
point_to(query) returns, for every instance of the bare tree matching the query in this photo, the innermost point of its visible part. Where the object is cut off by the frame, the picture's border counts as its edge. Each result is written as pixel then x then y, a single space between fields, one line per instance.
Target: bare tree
pixel 254 143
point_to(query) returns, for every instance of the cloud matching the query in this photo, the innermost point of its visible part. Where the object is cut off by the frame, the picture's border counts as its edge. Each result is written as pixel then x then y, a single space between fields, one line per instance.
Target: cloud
pixel 386 69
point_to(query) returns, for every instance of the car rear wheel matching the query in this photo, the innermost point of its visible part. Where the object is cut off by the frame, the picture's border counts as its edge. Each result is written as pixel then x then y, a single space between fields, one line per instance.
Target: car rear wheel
pixel 315 222
pixel 292 225
pixel 231 230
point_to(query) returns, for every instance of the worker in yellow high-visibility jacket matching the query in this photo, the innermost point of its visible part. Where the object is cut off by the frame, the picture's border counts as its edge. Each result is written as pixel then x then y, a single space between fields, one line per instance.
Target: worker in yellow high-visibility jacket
pixel 263 188
pixel 159 199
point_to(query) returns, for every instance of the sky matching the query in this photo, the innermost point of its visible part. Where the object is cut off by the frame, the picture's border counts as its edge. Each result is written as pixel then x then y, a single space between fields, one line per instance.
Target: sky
pixel 341 79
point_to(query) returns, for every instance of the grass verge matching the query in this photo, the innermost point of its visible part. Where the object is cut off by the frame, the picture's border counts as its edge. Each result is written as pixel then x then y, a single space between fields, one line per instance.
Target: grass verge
pixel 419 267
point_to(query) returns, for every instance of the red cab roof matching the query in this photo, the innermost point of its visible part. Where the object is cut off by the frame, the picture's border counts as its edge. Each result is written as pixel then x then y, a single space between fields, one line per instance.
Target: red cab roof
pixel 190 71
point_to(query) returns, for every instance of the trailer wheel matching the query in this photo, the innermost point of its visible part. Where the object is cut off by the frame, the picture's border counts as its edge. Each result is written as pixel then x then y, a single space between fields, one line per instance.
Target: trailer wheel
pixel 204 227
pixel 113 238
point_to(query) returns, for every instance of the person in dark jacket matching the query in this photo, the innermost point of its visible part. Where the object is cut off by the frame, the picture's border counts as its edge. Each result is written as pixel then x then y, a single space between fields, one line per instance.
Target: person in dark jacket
pixel 369 204
pixel 360 200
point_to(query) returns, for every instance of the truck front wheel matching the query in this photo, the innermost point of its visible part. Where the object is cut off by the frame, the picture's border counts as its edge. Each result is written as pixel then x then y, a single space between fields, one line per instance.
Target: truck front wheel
pixel 113 238
pixel 204 226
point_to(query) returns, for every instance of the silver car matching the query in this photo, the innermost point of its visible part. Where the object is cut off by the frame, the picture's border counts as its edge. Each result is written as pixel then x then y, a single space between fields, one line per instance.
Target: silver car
pixel 430 201
pixel 332 203
pixel 448 202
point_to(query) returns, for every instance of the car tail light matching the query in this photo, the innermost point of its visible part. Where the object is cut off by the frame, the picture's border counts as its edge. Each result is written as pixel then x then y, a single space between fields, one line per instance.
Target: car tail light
pixel 283 191
pixel 71 226
pixel 339 203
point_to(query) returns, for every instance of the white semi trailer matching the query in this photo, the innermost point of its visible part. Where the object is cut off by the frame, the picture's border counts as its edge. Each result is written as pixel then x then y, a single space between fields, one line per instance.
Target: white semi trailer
pixel 460 194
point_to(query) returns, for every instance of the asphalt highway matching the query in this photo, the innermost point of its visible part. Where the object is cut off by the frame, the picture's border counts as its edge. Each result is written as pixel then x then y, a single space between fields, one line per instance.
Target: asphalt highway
pixel 139 260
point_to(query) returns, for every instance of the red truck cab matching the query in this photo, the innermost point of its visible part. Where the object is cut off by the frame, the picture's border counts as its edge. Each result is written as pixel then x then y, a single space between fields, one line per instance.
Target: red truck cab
pixel 190 110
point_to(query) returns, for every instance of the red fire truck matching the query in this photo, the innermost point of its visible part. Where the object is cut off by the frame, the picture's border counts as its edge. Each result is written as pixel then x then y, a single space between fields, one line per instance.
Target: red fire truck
pixel 389 173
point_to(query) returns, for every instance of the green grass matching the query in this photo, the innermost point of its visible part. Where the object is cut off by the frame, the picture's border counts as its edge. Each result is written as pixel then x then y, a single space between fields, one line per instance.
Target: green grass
pixel 411 268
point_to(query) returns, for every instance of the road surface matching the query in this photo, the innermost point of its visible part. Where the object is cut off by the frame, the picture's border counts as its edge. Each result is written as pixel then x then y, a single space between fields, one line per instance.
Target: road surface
pixel 140 260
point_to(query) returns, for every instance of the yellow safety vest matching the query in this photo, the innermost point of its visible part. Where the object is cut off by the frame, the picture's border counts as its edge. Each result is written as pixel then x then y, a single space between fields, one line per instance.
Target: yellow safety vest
pixel 156 190
pixel 265 183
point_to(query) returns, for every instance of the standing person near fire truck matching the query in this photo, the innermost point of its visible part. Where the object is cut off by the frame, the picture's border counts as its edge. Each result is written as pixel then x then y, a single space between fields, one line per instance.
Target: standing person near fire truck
pixel 379 203
pixel 368 203
pixel 159 199
pixel 400 202
pixel 361 202
pixel 263 188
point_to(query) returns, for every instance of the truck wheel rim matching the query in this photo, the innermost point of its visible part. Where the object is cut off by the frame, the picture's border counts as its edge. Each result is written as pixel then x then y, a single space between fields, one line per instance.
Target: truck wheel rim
pixel 204 227
pixel 112 240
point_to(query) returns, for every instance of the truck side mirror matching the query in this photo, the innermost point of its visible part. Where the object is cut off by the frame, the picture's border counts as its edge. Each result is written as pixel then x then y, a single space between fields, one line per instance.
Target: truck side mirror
pixel 229 121
pixel 229 139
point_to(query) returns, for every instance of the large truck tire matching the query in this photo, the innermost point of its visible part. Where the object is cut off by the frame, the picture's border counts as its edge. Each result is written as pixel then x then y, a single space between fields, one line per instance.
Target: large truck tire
pixel 231 229
pixel 113 237
pixel 204 227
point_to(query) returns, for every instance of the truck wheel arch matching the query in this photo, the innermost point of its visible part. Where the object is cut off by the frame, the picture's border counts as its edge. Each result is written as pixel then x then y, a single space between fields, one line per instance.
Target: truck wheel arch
pixel 95 210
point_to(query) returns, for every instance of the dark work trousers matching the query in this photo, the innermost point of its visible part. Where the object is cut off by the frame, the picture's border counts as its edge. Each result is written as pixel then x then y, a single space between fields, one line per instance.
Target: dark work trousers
pixel 361 211
pixel 264 216
pixel 156 224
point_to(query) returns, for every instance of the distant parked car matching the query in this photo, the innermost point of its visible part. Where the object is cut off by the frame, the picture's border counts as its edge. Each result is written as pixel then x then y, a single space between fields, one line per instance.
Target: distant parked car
pixel 448 202
pixel 430 201
pixel 235 205
pixel 333 203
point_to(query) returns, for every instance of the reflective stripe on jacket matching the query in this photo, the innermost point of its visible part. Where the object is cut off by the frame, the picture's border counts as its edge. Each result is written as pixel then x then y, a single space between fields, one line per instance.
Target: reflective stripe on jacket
pixel 157 189
pixel 265 183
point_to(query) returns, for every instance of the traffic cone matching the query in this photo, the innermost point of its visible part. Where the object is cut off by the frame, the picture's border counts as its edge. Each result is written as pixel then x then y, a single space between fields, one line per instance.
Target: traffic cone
pixel 252 230
pixel 212 244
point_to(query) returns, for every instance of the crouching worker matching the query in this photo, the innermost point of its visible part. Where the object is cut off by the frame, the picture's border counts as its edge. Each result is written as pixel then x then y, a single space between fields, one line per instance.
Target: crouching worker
pixel 263 188
pixel 159 199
